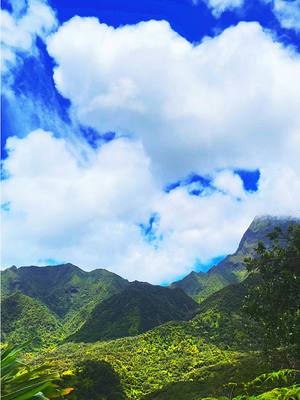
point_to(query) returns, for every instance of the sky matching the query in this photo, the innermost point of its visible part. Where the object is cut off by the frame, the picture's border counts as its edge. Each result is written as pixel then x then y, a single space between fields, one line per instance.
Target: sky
pixel 145 136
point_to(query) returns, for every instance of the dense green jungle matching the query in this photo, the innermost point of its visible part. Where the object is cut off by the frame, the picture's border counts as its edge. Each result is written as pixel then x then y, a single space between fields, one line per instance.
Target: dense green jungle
pixel 230 333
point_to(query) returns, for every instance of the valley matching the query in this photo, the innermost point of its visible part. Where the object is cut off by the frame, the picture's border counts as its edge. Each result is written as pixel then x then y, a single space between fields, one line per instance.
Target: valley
pixel 188 341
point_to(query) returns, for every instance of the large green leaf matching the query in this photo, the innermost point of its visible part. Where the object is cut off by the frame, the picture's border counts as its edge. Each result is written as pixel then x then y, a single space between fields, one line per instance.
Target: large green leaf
pixel 26 392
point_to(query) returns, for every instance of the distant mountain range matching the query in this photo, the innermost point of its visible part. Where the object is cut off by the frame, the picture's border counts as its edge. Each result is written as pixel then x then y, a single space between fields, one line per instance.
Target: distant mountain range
pixel 64 302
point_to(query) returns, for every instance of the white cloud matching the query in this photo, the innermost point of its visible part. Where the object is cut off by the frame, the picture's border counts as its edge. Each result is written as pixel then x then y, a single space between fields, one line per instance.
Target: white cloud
pixel 219 6
pixel 20 28
pixel 230 183
pixel 61 208
pixel 288 13
pixel 231 101
pixel 32 104
pixel 90 214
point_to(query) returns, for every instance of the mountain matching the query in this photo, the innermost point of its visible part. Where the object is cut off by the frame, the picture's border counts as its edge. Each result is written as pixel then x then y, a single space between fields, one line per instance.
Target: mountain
pixel 221 320
pixel 73 298
pixel 101 305
pixel 184 360
pixel 199 285
pixel 24 318
pixel 212 349
pixel 136 309
pixel 65 289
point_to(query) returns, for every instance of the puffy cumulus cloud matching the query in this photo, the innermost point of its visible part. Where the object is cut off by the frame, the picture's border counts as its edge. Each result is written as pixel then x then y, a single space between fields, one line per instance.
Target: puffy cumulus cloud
pixel 72 211
pixel 20 29
pixel 230 183
pixel 219 6
pixel 116 178
pixel 90 214
pixel 231 101
pixel 288 13
pixel 228 103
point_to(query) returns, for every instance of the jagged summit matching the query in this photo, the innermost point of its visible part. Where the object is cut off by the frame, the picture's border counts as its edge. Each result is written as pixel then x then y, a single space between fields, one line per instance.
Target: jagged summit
pixel 232 269
pixel 101 305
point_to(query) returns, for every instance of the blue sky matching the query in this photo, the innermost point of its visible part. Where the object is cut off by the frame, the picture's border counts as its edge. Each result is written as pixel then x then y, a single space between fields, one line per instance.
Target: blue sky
pixel 145 136
pixel 191 21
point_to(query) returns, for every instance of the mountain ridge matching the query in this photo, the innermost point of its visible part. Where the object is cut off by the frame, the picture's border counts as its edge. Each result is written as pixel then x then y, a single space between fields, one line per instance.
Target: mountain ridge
pixel 231 270
pixel 138 308
pixel 184 359
pixel 75 297
pixel 63 288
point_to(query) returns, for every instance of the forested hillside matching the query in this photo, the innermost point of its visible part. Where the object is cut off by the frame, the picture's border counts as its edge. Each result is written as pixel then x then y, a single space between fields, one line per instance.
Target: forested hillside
pixel 136 309
pixel 66 292
pixel 23 318
pixel 139 341
pixel 62 288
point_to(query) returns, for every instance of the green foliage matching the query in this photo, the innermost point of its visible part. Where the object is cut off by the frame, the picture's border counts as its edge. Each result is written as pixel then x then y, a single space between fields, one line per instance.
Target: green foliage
pixel 24 318
pixel 262 387
pixel 136 309
pixel 94 380
pixel 64 289
pixel 21 382
pixel 285 393
pixel 282 376
pixel 199 285
pixel 174 352
pixel 221 320
pixel 212 354
pixel 48 304
pixel 275 301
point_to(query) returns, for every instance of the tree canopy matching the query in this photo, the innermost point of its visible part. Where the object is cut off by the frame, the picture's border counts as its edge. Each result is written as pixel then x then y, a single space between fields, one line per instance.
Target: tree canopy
pixel 274 301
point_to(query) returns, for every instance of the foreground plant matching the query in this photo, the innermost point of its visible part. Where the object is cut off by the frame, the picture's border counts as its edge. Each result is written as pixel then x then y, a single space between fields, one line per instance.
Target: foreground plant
pixel 20 381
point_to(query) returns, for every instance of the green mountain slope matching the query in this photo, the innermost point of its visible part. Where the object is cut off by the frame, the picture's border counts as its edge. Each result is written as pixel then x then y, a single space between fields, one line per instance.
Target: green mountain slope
pixel 199 285
pixel 178 360
pixel 171 353
pixel 185 360
pixel 65 289
pixel 24 318
pixel 221 320
pixel 136 309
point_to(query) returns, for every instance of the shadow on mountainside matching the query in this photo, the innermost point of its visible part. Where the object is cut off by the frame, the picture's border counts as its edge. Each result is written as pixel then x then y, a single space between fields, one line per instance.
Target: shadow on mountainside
pixel 95 380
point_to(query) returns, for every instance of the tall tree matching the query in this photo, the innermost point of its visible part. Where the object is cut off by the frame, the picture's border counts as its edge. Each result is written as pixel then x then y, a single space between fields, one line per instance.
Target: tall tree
pixel 275 300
